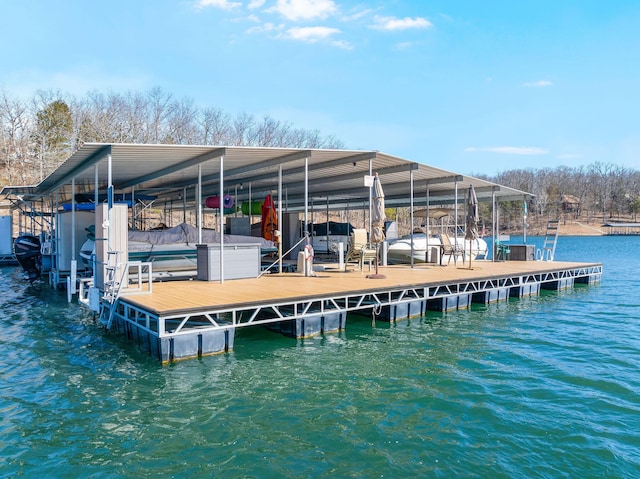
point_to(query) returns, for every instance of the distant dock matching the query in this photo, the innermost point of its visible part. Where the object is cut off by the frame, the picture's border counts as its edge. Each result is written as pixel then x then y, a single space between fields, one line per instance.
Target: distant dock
pixel 622 229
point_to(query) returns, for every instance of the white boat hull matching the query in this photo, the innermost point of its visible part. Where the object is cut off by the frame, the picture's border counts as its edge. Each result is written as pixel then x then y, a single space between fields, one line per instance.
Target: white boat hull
pixel 400 251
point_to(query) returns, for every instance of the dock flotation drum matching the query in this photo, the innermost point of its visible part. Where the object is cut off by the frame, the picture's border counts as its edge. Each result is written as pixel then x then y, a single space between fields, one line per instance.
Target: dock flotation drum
pixel 256 208
pixel 214 202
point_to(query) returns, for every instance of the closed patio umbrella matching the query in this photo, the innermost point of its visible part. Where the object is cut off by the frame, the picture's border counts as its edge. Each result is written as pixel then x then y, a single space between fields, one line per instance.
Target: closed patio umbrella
pixel 471 232
pixel 377 219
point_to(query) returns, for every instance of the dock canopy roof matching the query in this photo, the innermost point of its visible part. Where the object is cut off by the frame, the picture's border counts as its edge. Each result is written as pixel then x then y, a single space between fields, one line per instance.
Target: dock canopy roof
pixel 171 174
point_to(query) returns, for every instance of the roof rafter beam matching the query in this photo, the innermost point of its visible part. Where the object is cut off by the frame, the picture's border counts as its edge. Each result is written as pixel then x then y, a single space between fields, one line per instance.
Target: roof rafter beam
pixel 299 155
pixel 347 177
pixel 445 179
pixel 210 180
pixel 92 160
pixel 211 189
pixel 217 153
pixel 301 169
pixel 390 200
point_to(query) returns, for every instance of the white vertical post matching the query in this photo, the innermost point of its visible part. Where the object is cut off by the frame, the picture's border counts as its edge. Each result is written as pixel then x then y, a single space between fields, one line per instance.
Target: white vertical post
pixel 96 199
pixel 493 225
pixel 306 213
pixel 73 218
pixel 385 250
pixel 370 206
pixel 279 233
pixel 74 262
pixel 133 208
pixel 199 200
pixel 306 194
pixel 109 198
pixel 428 230
pixel 95 186
pixel 455 222
pixel 411 209
pixel 222 219
pixel 183 196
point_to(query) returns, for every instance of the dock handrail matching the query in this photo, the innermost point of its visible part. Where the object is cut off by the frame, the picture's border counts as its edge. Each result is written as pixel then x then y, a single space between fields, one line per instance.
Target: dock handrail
pixel 305 237
pixel 115 289
pixel 548 250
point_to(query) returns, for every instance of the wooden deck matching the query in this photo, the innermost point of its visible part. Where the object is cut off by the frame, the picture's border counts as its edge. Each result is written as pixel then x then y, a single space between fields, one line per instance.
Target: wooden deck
pixel 174 297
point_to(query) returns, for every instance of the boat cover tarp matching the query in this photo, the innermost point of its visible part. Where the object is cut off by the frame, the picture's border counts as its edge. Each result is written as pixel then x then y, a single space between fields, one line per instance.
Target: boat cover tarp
pixel 335 228
pixel 184 233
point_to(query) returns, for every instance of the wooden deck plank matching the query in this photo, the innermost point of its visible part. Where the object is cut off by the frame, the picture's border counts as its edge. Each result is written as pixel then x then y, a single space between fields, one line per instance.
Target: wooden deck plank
pixel 178 296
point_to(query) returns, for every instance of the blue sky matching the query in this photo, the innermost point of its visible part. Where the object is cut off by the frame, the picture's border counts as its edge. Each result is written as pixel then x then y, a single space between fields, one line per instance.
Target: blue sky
pixel 470 86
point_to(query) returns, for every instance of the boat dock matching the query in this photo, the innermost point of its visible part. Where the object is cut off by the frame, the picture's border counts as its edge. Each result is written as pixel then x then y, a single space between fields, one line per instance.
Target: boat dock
pixel 185 319
pixel 103 192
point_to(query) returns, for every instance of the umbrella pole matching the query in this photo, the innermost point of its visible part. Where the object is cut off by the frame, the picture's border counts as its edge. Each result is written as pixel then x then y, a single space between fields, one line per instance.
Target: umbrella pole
pixel 376 275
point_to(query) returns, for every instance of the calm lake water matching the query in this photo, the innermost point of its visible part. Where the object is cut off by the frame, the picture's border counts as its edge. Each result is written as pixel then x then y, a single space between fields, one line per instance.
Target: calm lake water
pixel 542 387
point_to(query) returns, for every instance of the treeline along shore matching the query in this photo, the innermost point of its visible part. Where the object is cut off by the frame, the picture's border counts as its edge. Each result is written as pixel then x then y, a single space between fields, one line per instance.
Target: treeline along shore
pixel 38 133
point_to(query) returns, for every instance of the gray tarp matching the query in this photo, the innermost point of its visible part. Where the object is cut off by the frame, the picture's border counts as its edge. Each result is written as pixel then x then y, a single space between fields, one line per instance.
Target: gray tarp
pixel 184 233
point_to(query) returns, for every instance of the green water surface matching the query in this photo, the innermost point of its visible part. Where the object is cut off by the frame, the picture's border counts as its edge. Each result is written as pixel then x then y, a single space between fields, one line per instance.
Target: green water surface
pixel 544 387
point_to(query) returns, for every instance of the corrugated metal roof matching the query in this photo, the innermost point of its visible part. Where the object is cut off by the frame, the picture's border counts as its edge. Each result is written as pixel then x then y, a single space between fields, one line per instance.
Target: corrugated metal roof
pixel 336 176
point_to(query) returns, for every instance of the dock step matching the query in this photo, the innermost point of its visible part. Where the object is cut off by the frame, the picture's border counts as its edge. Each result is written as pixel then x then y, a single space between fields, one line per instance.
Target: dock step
pixel 548 250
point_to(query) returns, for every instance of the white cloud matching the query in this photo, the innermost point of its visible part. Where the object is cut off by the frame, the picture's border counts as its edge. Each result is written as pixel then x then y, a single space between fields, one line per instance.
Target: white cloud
pixel 392 23
pixel 352 17
pixel 255 4
pixel 310 34
pixel 224 4
pixel 537 84
pixel 342 44
pixel 510 150
pixel 295 10
pixel 265 28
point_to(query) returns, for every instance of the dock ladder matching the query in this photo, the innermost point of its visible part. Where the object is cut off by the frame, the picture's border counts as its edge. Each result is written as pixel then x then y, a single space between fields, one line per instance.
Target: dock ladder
pixel 550 240
pixel 112 287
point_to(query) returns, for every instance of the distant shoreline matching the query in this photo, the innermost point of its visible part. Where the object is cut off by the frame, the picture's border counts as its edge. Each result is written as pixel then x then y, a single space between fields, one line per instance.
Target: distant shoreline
pixel 570 228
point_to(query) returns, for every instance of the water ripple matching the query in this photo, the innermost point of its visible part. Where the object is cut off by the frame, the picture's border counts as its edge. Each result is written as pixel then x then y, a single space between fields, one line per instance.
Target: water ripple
pixel 543 387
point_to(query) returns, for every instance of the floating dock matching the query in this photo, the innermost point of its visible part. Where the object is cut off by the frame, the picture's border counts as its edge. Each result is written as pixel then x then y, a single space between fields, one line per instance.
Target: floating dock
pixel 181 319
pixel 185 319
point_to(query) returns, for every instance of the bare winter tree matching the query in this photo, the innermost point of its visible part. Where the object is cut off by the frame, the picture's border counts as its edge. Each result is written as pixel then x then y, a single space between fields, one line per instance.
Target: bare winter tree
pixel 242 130
pixel 16 151
pixel 182 124
pixel 159 109
pixel 215 126
pixel 35 138
pixel 267 133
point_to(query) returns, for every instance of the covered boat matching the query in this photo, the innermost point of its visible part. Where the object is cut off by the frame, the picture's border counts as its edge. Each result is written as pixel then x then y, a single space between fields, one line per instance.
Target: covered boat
pixel 428 247
pixel 429 250
pixel 175 249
